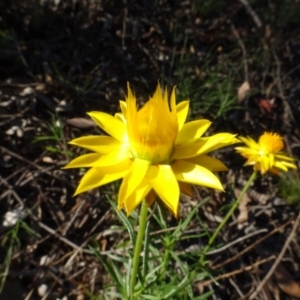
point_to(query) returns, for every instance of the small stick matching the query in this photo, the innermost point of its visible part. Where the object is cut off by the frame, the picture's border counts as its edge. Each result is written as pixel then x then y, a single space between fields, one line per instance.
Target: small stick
pixel 242 45
pixel 252 13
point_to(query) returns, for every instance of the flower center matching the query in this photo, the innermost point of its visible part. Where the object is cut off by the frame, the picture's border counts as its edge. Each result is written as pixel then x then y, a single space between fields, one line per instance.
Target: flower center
pixel 153 129
pixel 270 143
pixel 156 135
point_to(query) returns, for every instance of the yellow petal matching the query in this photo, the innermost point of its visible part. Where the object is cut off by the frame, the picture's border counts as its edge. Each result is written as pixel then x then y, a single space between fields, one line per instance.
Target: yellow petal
pixel 188 150
pixel 281 166
pixel 110 125
pixel 203 145
pixel 208 162
pixel 97 143
pixel 166 186
pixel 173 103
pixel 284 165
pixel 120 117
pixel 131 109
pixel 123 106
pixel 131 114
pixel 264 164
pixel 136 197
pixel 192 130
pixel 182 110
pixel 253 159
pixel 83 161
pixel 136 175
pixel 96 177
pixel 99 160
pixel 165 96
pixel 287 164
pixel 271 160
pixel 194 174
pixel 283 156
pixel 217 141
pixel 246 151
pixel 249 142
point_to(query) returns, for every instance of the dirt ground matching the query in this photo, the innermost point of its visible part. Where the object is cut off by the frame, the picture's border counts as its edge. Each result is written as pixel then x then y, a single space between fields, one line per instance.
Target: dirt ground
pixel 61 59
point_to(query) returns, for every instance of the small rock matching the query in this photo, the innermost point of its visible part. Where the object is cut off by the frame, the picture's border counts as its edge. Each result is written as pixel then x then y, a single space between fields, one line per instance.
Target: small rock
pixel 12 217
pixel 45 260
pixel 48 160
pixel 63 106
pixel 42 290
pixel 27 91
pixel 40 87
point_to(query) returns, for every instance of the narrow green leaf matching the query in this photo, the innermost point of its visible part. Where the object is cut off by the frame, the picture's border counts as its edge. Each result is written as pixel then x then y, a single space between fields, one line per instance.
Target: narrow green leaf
pixel 173 290
pixel 182 226
pixel 107 266
pixel 204 296
pixel 124 219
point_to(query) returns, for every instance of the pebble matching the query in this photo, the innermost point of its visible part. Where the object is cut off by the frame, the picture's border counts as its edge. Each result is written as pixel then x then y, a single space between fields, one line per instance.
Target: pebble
pixel 42 290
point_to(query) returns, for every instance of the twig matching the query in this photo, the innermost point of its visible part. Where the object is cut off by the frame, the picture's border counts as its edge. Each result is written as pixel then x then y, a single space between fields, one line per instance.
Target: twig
pixel 236 241
pixel 252 13
pixel 251 246
pixel 236 288
pixel 11 191
pixel 149 55
pixel 235 272
pixel 124 27
pixel 63 239
pixel 43 170
pixel 73 245
pixel 64 232
pixel 286 106
pixel 242 45
pixel 284 77
pixel 278 259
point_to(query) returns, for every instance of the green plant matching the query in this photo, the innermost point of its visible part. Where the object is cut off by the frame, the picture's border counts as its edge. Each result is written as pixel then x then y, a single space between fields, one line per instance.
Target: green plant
pixel 10 241
pixel 86 82
pixel 167 271
pixel 289 186
pixel 215 96
pixel 54 140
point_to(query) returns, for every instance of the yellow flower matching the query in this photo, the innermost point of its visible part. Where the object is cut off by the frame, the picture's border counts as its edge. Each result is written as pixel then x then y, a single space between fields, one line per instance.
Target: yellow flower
pixel 152 149
pixel 266 154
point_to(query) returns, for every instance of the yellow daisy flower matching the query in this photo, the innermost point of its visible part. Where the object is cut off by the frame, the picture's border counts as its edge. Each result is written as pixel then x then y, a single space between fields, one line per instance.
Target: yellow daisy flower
pixel 266 154
pixel 152 150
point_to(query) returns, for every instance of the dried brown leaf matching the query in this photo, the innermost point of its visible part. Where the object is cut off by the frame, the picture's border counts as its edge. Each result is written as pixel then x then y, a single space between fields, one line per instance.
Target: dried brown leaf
pixel 243 91
pixel 243 216
pixel 286 282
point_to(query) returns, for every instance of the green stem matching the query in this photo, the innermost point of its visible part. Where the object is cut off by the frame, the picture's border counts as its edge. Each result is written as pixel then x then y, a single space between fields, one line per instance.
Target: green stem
pixel 228 215
pixel 138 247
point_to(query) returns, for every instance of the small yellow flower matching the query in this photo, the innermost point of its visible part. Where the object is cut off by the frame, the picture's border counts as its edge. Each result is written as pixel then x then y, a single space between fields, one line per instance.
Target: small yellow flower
pixel 266 154
pixel 152 149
